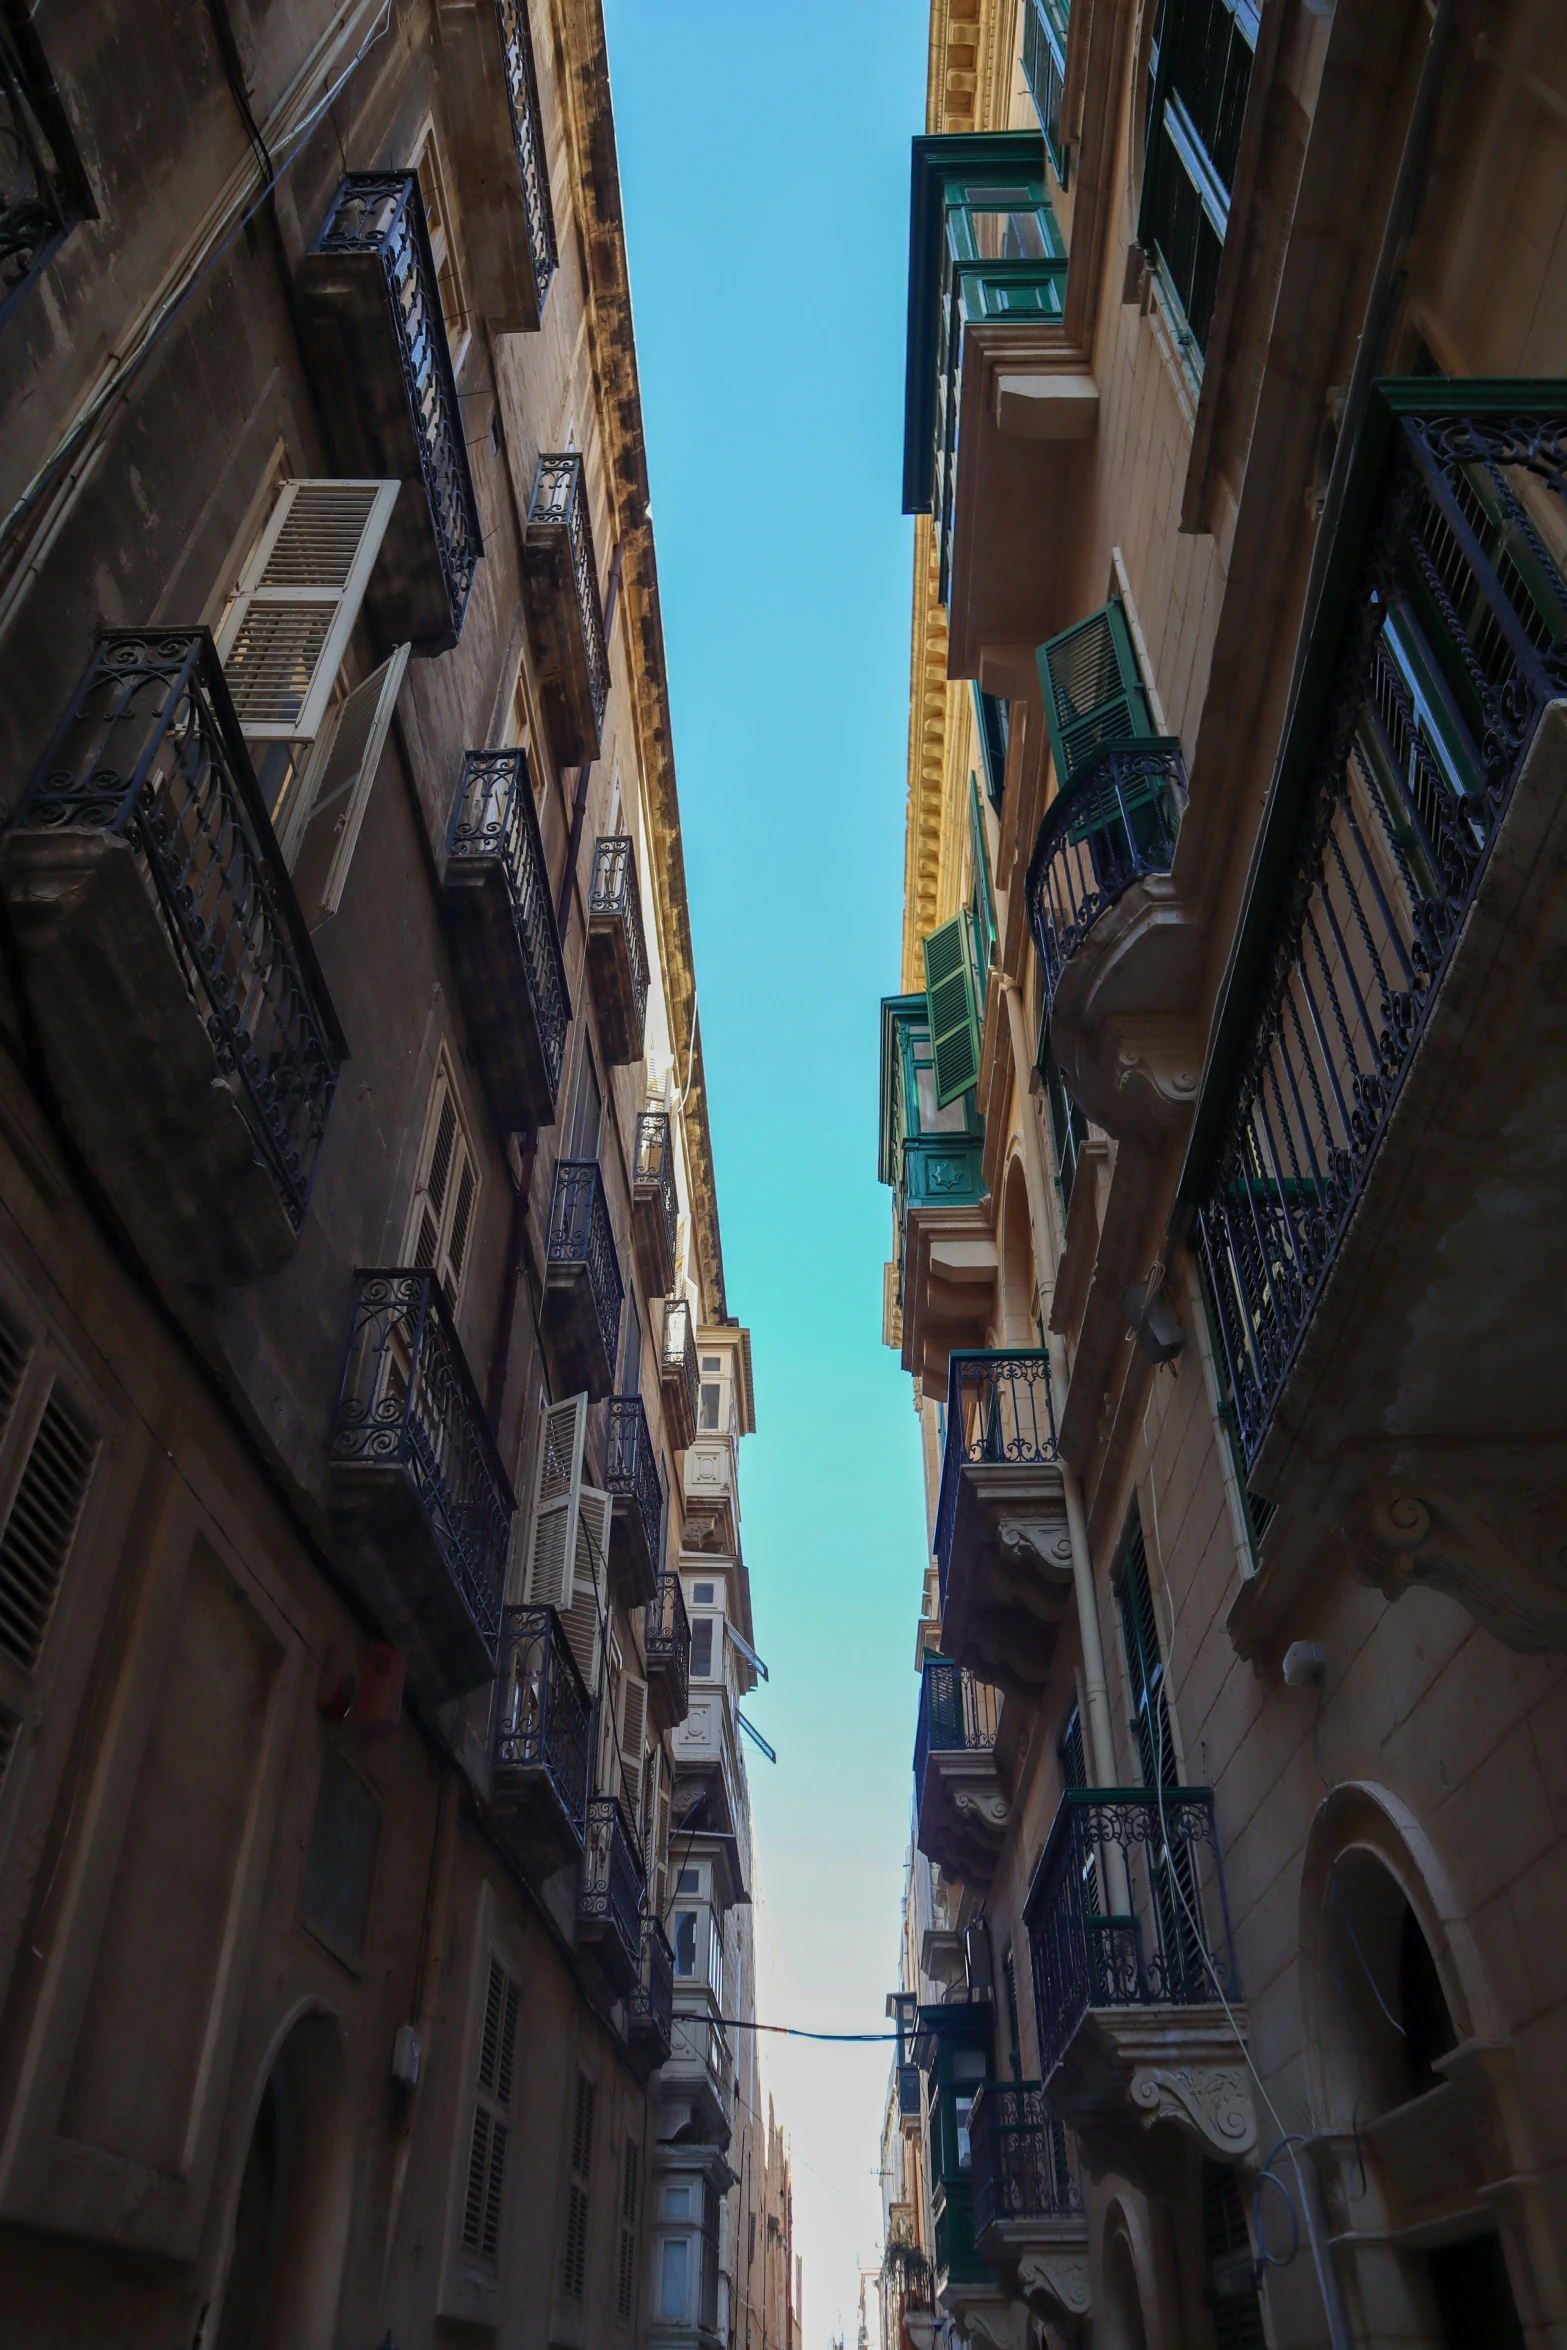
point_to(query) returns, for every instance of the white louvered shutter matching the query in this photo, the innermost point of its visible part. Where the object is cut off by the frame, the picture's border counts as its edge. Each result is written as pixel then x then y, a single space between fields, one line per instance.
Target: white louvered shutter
pixel 632 1727
pixel 584 1613
pixel 484 2196
pixel 284 636
pixel 648 1824
pixel 661 1848
pixel 555 1504
pixel 440 1223
pixel 321 843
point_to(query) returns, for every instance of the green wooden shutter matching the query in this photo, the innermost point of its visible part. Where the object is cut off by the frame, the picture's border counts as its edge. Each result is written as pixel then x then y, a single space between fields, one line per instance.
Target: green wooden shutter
pixel 954 1022
pixel 984 901
pixel 1093 691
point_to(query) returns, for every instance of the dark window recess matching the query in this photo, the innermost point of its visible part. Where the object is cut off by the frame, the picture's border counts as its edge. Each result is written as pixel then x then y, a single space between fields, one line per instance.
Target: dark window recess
pixel 1474 2296
pixel 1074 1764
pixel 1229 2265
pixel 1068 1126
pixel 1014 2032
pixel 993 716
pixel 340 1864
pixel 1199 73
pixel 626 2276
pixel 574 2267
pixel 702 1648
pixel 41 1526
pixel 1428 2027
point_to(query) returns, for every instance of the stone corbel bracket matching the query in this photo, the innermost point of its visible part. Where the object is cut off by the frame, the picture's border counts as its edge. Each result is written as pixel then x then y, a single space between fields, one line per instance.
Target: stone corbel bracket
pixel 1055 2282
pixel 1135 2083
pixel 1487 1524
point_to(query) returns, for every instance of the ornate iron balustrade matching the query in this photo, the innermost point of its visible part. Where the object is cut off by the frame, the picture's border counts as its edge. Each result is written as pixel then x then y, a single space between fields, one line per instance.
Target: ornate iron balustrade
pixel 150 751
pixel 678 1371
pixel 543 1716
pixel 610 1891
pixel 655 1161
pixel 495 823
pixel 1000 1409
pixel 408 1400
pixel 527 126
pixel 958 1714
pixel 1418 706
pixel 1127 1909
pixel 581 1234
pixel 382 213
pixel 650 2003
pixel 560 496
pixel 666 1642
pixel 631 1471
pixel 43 188
pixel 1017 2156
pixel 1116 823
pixel 614 892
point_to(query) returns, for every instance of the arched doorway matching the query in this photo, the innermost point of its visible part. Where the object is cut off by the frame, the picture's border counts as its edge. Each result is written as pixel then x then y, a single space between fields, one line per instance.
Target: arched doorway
pixel 291 2221
pixel 1019 1290
pixel 1123 2301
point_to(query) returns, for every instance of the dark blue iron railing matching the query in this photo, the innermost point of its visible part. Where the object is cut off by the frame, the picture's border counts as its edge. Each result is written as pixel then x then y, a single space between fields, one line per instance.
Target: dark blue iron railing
pixel 655 1165
pixel 150 749
pixel 527 128
pixel 610 1889
pixel 383 213
pixel 581 1234
pixel 1453 640
pixel 1127 1909
pixel 43 188
pixel 542 1714
pixel 957 1714
pixel 666 1641
pixel 408 1400
pixel 1116 823
pixel 560 495
pixel 650 2003
pixel 631 1469
pixel 1000 1410
pixel 1017 2157
pixel 495 820
pixel 614 891
pixel 677 1366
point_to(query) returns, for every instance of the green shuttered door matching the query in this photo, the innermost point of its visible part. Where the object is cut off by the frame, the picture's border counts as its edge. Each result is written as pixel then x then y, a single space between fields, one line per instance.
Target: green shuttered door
pixel 1092 689
pixel 954 1023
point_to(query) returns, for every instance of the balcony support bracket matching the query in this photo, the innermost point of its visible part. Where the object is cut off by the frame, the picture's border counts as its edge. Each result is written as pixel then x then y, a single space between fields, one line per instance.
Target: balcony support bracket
pixel 1138 2083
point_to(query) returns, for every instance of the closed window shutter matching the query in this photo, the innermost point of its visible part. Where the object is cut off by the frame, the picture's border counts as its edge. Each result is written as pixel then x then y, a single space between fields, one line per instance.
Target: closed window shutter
pixel 284 636
pixel 661 1848
pixel 584 1611
pixel 954 1022
pixel 1093 691
pixel 41 1523
pixel 633 1741
pixel 440 1223
pixel 625 2282
pixel 984 900
pixel 574 2267
pixel 320 846
pixel 557 1492
pixel 484 2194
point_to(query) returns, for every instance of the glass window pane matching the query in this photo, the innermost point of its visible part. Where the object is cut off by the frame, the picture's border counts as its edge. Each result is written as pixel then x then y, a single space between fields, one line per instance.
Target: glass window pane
pixel 672 2280
pixel 685 1941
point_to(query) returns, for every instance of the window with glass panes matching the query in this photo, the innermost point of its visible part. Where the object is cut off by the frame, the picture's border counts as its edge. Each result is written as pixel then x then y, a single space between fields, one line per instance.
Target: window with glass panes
pixel 1045 24
pixel 1199 73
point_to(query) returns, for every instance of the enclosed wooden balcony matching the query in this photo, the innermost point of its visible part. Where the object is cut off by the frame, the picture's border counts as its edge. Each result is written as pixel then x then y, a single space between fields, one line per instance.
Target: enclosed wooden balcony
pixel 1373 1182
pixel 491 87
pixel 961 1805
pixel 712 1520
pixel 541 1739
pixel 177 997
pixel 941 1285
pixel 370 304
pixel 1003 1553
pixel 421 1507
pixel 617 954
pixel 699 2071
pixel 1129 1932
pixel 655 1209
pixel 1028 2207
pixel 679 1378
pixel 610 1897
pixel 636 1490
pixel 650 2002
pixel 583 1289
pixel 666 1651
pixel 504 939
pixel 565 616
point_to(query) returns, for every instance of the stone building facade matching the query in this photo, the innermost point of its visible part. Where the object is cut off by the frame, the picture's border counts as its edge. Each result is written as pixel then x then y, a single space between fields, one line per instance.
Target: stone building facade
pixel 1221 1106
pixel 359 1245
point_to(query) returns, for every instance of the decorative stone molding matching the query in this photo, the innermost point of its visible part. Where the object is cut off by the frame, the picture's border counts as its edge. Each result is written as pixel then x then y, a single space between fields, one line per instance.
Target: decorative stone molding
pixel 1213 2101
pixel 985 1804
pixel 1009 1580
pixel 1140 2086
pixel 1486 1524
pixel 1049 1541
pixel 1131 1061
pixel 1056 2281
pixel 989 2319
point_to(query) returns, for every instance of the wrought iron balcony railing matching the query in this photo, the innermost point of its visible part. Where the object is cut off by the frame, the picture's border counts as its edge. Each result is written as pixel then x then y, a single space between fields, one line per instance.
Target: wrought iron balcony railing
pixel 507 945
pixel 1127 1909
pixel 1018 2159
pixel 1115 823
pixel 564 611
pixel 204 945
pixel 650 2003
pixel 679 1375
pixel 1443 638
pixel 655 1206
pixel 584 1290
pixel 958 1714
pixel 617 949
pixel 43 188
pixel 543 1720
pixel 632 1479
pixel 609 1897
pixel 373 298
pixel 999 1410
pixel 422 1503
pixel 666 1649
pixel 527 123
